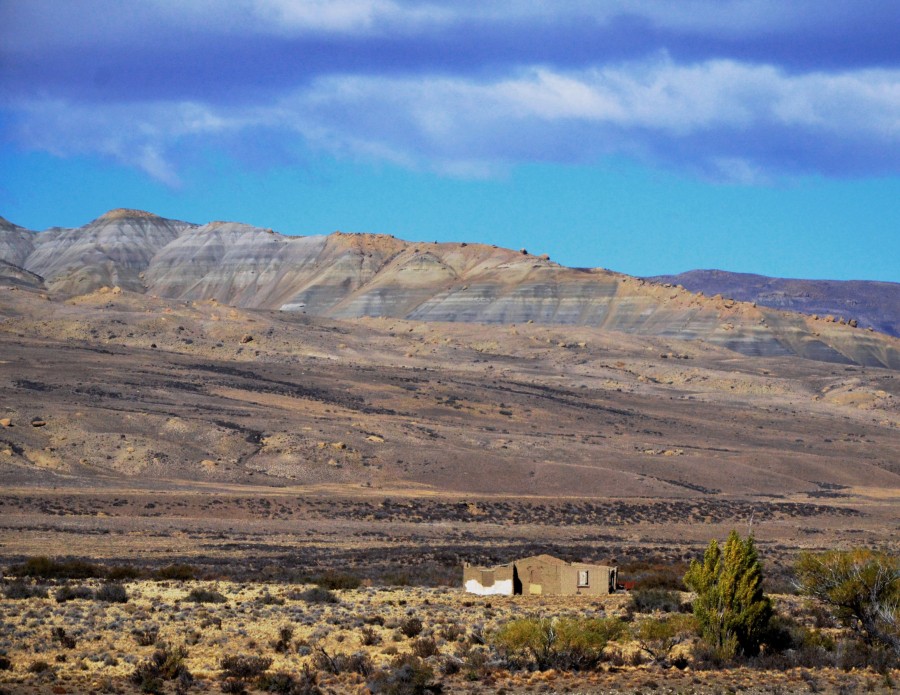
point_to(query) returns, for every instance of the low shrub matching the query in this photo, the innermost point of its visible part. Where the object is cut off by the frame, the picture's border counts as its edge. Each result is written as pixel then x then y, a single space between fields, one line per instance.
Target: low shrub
pixel 176 571
pixel 198 595
pixel 571 644
pixel 39 666
pixel 425 647
pixel 43 567
pixel 5 663
pixel 20 590
pixel 406 675
pixel 165 664
pixel 343 663
pixel 121 573
pixel 242 666
pixel 411 627
pixel 146 636
pixel 337 581
pixel 112 593
pixel 304 684
pixel 283 643
pixel 369 636
pixel 69 593
pixel 318 595
pixel 65 641
pixel 649 600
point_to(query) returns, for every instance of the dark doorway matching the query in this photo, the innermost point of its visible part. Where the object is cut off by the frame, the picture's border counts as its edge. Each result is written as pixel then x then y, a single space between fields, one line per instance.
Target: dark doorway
pixel 517 583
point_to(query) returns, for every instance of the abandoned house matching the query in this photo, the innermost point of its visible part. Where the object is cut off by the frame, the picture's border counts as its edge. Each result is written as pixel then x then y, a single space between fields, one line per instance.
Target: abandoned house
pixel 541 574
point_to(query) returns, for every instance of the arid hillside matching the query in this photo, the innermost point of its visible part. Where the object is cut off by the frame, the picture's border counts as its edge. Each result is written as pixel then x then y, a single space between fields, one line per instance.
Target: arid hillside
pixel 346 276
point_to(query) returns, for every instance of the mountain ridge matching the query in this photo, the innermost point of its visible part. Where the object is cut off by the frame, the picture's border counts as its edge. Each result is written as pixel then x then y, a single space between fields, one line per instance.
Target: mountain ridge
pixel 347 276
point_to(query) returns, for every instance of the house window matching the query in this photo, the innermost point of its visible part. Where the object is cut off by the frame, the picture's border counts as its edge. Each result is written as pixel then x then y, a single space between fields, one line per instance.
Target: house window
pixel 583 578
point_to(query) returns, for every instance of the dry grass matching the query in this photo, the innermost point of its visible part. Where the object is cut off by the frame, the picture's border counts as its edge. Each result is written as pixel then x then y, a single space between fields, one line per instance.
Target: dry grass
pixel 359 635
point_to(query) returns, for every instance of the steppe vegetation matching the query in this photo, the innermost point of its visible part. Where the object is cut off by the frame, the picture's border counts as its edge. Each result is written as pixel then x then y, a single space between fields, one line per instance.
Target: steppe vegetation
pixel 76 626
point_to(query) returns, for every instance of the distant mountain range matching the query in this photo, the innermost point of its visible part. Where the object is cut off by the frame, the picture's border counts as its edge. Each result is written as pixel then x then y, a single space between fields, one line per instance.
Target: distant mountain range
pixel 875 304
pixel 355 275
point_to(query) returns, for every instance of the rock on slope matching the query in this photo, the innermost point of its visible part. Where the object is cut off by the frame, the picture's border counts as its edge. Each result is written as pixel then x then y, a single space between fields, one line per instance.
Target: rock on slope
pixel 357 275
pixel 875 304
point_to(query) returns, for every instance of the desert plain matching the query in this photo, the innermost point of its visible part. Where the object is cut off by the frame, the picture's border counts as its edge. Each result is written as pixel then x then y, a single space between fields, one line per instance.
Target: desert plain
pixel 266 449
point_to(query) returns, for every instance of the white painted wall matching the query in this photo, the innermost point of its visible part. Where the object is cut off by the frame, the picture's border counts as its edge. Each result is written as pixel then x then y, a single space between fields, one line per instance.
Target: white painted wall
pixel 504 587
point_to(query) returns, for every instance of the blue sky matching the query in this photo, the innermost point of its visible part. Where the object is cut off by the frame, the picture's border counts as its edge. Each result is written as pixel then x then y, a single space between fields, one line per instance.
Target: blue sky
pixel 642 136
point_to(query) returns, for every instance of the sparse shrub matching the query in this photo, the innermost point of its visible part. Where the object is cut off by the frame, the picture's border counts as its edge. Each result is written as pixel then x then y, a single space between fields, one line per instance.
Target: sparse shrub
pixel 121 573
pixel 283 643
pixel 180 572
pixel 285 683
pixel 146 636
pixel 267 599
pixel 411 627
pixel 337 581
pixel 39 666
pixel 65 641
pixel 407 675
pixel 571 644
pixel 732 612
pixel 862 588
pixel 233 686
pixel 112 593
pixel 242 666
pixel 69 593
pixel 369 636
pixel 451 632
pixel 317 594
pixel 343 663
pixel 657 637
pixel 43 567
pixel 165 664
pixel 20 590
pixel 198 595
pixel 424 647
pixel 649 600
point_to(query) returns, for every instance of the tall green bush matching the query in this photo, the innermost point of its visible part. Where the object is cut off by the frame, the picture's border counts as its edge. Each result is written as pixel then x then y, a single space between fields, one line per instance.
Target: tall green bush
pixel 732 612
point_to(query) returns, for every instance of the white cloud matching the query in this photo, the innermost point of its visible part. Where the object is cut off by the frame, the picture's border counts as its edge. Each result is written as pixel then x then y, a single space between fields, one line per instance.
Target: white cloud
pixel 470 127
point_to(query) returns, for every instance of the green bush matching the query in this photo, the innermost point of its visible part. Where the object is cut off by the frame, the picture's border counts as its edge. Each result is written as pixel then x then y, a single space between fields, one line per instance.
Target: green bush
pixel 862 589
pixel 732 612
pixel 571 644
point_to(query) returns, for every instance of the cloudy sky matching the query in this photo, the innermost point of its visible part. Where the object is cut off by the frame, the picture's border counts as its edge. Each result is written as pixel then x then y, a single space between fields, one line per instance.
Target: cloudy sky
pixel 643 136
